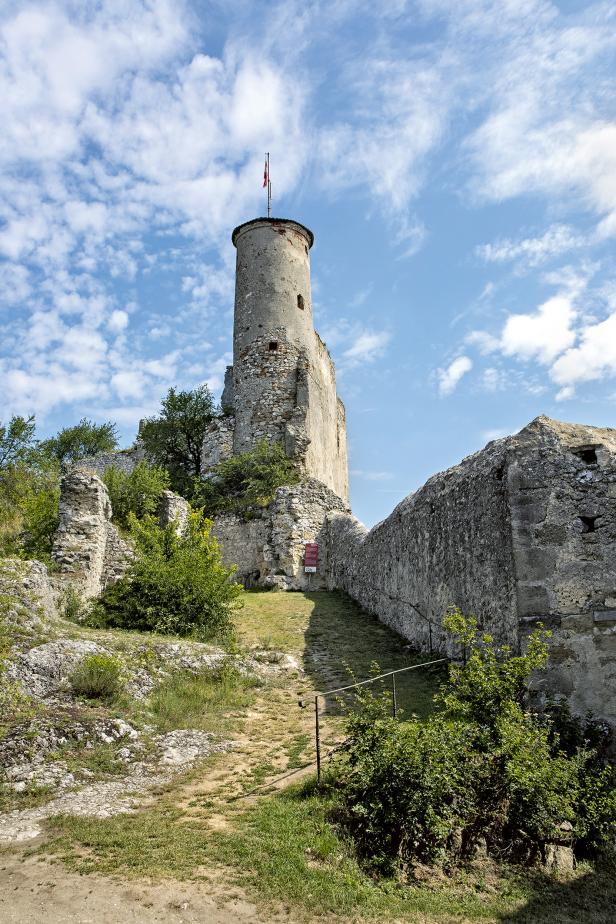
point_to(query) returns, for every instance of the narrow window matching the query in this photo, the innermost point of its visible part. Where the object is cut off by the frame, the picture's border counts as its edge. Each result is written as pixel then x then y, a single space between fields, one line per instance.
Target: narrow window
pixel 589 524
pixel 300 302
pixel 273 346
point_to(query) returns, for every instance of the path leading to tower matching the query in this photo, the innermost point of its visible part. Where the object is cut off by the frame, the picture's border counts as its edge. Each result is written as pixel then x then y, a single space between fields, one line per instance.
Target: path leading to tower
pixel 140 867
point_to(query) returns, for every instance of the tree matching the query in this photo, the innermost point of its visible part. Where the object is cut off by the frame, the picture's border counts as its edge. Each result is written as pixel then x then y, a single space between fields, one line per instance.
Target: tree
pixel 16 441
pixel 137 492
pixel 29 492
pixel 85 439
pixel 174 439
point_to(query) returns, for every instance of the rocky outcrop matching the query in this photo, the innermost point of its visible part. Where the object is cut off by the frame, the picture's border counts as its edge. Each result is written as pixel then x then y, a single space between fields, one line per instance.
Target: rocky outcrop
pixel 26 585
pixel 88 550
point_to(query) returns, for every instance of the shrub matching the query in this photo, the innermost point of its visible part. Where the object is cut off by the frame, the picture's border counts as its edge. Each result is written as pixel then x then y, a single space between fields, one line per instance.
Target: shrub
pixel 482 769
pixel 178 585
pixel 71 604
pixel 137 492
pixel 97 676
pixel 246 480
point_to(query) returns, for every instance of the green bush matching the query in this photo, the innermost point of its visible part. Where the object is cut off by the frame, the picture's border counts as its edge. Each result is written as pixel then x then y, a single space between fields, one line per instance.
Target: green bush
pixel 137 492
pixel 97 676
pixel 246 480
pixel 178 585
pixel 482 770
pixel 29 493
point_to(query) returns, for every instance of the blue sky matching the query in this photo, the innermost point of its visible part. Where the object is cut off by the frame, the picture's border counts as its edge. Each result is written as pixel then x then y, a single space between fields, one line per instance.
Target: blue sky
pixel 456 162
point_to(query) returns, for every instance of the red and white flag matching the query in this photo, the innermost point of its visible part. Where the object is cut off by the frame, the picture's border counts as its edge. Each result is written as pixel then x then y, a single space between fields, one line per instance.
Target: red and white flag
pixel 265 174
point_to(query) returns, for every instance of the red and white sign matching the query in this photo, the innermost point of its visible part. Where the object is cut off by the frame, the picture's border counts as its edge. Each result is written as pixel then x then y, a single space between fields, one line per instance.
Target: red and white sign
pixel 311 557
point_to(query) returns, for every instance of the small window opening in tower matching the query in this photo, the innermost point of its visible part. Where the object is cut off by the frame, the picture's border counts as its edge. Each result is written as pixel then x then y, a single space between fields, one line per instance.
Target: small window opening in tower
pixel 273 346
pixel 587 454
pixel 589 524
pixel 300 302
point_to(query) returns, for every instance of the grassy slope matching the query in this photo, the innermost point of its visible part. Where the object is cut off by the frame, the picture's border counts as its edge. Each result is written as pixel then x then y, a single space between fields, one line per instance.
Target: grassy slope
pixel 283 848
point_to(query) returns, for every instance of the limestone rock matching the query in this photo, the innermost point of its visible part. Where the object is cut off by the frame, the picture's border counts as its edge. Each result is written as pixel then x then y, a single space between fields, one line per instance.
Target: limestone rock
pixel 44 671
pixel 173 509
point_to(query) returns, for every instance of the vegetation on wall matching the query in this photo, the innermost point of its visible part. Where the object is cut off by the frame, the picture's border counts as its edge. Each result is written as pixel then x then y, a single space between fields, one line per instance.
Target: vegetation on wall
pixel 174 438
pixel 246 480
pixel 484 773
pixel 137 492
pixel 178 584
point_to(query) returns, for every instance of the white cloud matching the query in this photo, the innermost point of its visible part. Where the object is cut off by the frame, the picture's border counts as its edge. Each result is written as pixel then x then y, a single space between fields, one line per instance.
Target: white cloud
pixel 354 344
pixel 118 321
pixel 366 347
pixel 532 251
pixel 593 358
pixel 542 335
pixel 449 378
pixel 371 476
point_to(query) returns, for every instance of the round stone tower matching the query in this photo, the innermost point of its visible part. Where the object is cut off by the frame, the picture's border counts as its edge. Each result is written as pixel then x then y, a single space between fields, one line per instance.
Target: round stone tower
pixel 272 281
pixel 282 386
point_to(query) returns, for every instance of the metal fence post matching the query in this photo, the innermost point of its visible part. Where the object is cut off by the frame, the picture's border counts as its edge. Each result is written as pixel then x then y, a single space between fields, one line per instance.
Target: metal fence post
pixel 394 702
pixel 317 731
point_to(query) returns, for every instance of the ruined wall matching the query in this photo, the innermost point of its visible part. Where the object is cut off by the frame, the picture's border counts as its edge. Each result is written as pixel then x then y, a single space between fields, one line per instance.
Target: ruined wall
pixel 449 543
pixel 87 548
pixel 123 459
pixel 217 443
pixel 520 533
pixel 282 385
pixel 269 549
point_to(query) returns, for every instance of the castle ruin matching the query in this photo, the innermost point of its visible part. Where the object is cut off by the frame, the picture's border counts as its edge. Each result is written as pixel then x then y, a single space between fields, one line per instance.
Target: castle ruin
pixel 520 533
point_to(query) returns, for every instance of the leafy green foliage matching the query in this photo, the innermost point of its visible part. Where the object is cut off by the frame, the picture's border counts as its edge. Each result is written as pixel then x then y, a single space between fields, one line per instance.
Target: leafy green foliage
pixel 16 441
pixel 137 492
pixel 81 441
pixel 178 585
pixel 246 480
pixel 482 770
pixel 29 493
pixel 174 438
pixel 97 676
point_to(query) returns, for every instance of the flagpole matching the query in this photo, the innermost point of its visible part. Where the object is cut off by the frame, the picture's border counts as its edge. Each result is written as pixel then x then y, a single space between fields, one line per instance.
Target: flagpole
pixel 269 189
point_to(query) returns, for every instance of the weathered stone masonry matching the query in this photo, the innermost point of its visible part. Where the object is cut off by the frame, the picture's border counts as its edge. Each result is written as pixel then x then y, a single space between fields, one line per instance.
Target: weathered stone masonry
pixel 519 533
pixel 282 385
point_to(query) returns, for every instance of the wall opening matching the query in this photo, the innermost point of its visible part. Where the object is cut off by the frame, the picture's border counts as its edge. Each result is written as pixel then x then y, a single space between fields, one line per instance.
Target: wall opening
pixel 273 346
pixel 588 454
pixel 589 524
pixel 300 302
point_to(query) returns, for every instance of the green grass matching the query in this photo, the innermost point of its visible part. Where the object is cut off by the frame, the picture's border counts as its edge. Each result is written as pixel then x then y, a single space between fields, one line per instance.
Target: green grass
pixel 31 797
pixel 338 642
pixel 201 701
pixel 286 851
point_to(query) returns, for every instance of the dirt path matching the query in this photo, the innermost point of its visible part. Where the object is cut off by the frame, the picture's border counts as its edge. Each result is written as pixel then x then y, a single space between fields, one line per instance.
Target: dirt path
pixel 35 892
pixel 276 737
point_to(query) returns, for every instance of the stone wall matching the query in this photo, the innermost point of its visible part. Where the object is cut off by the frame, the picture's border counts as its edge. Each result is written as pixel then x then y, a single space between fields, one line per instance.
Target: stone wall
pixel 123 459
pixel 87 549
pixel 521 532
pixel 269 548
